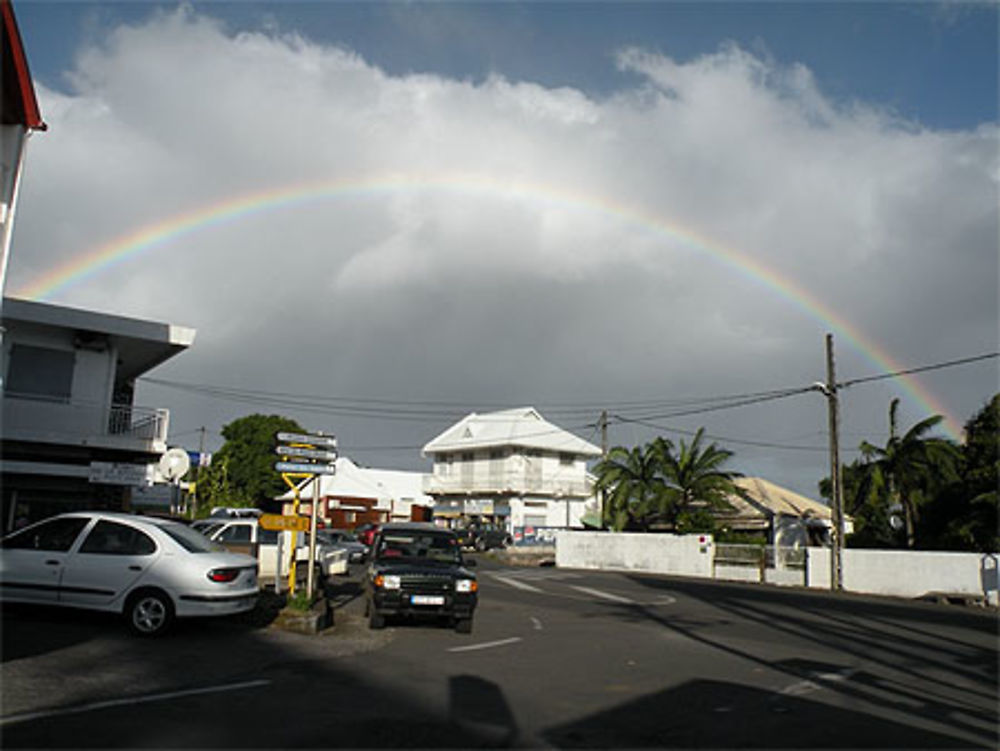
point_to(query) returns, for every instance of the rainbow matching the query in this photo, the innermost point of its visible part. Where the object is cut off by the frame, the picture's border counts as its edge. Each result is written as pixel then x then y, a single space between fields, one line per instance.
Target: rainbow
pixel 147 238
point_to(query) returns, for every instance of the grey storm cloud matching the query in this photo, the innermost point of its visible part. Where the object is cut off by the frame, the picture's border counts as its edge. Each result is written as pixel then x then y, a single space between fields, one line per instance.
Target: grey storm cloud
pixel 415 237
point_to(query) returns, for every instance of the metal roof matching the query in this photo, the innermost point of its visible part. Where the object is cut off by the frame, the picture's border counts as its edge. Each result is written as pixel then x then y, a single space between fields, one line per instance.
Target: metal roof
pixel 523 427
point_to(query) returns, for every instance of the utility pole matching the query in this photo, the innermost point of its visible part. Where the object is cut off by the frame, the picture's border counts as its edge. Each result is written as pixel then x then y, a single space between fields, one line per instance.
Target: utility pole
pixel 197 472
pixel 604 455
pixel 836 481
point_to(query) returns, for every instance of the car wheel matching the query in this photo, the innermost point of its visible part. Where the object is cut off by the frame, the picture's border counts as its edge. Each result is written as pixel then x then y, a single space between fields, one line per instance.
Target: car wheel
pixel 375 621
pixel 149 612
pixel 463 625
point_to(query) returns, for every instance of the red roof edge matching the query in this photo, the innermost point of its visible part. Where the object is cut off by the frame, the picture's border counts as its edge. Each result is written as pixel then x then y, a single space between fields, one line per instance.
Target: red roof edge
pixel 31 116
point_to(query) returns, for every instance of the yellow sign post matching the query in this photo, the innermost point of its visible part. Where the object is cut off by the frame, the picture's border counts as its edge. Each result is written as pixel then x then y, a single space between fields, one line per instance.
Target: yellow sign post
pixel 305 455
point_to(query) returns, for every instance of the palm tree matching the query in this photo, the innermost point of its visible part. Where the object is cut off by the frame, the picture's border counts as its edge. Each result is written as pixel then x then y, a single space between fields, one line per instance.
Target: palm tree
pixel 907 467
pixel 695 474
pixel 634 484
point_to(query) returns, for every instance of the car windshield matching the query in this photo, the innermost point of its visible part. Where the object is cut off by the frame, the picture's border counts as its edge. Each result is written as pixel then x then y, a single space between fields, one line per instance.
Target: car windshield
pixel 421 546
pixel 191 540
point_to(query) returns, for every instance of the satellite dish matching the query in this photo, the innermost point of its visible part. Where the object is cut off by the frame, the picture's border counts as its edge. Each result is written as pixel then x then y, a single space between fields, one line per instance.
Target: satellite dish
pixel 174 464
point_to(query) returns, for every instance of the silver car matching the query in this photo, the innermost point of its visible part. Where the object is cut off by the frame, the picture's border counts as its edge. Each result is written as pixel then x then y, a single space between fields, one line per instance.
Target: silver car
pixel 150 570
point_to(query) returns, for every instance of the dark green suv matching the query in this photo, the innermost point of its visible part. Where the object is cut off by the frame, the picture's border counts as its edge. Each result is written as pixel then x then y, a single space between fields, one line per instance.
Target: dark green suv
pixel 418 570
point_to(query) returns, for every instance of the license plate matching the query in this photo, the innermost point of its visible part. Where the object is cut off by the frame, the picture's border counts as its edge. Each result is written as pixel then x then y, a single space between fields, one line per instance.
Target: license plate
pixel 427 600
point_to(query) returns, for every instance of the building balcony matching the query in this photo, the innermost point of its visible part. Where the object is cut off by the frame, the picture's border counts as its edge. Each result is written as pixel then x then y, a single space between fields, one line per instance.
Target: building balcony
pixel 117 426
pixel 507 484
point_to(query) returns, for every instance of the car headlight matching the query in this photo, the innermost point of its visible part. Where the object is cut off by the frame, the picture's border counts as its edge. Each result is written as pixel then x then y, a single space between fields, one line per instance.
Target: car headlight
pixel 466 585
pixel 387 582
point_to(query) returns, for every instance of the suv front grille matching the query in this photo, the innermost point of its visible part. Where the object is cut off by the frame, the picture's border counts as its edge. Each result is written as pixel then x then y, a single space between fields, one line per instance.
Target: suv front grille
pixel 426 583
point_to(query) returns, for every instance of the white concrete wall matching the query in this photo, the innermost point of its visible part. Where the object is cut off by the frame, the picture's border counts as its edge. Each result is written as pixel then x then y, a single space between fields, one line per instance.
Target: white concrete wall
pixel 904 573
pixel 896 573
pixel 683 555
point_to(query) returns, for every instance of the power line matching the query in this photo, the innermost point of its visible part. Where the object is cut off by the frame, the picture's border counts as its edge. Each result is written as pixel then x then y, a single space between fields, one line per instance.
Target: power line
pixel 921 369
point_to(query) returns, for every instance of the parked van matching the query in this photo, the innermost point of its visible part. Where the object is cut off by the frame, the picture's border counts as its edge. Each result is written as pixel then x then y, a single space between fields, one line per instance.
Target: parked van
pixel 247 536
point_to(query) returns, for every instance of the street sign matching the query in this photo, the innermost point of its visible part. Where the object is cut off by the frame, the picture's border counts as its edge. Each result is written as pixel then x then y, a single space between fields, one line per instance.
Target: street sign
pixel 302 468
pixel 277 522
pixel 309 439
pixel 304 453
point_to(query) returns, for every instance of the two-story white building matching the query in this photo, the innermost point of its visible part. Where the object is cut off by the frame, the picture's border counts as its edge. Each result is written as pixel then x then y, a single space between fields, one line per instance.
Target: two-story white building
pixel 512 468
pixel 72 436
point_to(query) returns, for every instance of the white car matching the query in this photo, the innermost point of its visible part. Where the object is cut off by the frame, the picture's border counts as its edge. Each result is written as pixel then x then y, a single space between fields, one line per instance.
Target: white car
pixel 150 570
pixel 247 535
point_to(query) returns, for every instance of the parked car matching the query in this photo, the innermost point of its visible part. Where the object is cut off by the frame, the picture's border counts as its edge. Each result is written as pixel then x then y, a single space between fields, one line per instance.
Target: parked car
pixel 483 537
pixel 150 570
pixel 366 533
pixel 247 536
pixel 339 538
pixel 417 570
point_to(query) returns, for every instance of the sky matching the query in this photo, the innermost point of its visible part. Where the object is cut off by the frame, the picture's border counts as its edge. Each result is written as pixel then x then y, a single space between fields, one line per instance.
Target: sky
pixel 380 217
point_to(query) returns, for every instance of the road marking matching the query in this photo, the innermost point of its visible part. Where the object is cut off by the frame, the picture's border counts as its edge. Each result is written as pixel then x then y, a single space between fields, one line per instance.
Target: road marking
pixel 536 624
pixel 807 686
pixel 604 595
pixel 486 645
pixel 26 716
pixel 515 583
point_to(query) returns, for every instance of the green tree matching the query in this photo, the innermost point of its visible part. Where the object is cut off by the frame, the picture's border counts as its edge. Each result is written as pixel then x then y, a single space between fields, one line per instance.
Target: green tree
pixel 633 483
pixel 910 468
pixel 695 476
pixel 964 516
pixel 242 471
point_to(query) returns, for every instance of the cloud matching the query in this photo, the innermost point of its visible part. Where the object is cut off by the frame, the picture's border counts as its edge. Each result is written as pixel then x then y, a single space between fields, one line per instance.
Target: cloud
pixel 502 242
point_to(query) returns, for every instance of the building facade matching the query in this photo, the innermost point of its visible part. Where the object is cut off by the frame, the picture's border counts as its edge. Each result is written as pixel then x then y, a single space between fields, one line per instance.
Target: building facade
pixel 510 468
pixel 72 436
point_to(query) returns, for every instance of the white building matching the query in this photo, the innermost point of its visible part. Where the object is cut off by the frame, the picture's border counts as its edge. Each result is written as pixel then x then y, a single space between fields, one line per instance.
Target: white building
pixel 19 117
pixel 510 467
pixel 72 435
pixel 355 495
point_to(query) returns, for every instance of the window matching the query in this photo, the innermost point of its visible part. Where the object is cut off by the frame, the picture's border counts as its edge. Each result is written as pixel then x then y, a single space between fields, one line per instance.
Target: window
pixel 267 536
pixel 56 535
pixel 235 533
pixel 41 372
pixel 112 538
pixel 192 540
pixel 566 460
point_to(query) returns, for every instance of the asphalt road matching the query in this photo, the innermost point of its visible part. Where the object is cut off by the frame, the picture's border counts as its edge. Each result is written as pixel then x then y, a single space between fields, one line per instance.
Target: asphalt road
pixel 557 658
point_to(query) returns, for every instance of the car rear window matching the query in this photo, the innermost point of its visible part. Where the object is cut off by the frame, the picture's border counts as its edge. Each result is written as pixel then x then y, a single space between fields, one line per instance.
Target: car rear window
pixel 191 540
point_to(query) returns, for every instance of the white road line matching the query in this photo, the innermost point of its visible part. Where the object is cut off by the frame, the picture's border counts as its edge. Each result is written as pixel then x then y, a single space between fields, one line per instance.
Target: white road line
pixel 604 595
pixel 536 624
pixel 515 583
pixel 486 645
pixel 11 719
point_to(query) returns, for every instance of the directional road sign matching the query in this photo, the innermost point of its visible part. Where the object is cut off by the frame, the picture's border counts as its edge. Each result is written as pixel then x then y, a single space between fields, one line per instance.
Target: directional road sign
pixel 309 439
pixel 277 522
pixel 300 452
pixel 302 468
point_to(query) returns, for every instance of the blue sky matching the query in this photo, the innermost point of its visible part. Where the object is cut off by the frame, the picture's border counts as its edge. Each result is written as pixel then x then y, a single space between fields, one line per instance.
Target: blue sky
pixel 933 63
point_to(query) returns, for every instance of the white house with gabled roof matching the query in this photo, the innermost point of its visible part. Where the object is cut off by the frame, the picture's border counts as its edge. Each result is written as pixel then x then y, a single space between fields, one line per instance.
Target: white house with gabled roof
pixel 511 467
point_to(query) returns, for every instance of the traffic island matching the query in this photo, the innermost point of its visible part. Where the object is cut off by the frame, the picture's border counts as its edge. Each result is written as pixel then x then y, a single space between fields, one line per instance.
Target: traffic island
pixel 293 617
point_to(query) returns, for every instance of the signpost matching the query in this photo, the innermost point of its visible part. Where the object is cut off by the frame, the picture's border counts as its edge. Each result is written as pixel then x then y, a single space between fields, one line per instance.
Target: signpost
pixel 313 455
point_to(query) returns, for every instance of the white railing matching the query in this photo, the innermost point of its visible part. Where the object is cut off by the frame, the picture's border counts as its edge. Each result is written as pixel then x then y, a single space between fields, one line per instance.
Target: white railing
pixel 506 482
pixel 71 422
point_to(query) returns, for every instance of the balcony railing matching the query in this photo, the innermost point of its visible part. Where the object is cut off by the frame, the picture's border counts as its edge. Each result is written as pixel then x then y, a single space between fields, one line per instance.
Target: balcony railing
pixel 71 422
pixel 495 483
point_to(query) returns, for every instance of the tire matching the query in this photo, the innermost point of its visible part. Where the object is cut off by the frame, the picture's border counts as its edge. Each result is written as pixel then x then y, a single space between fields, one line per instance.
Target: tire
pixel 463 625
pixel 375 621
pixel 149 612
